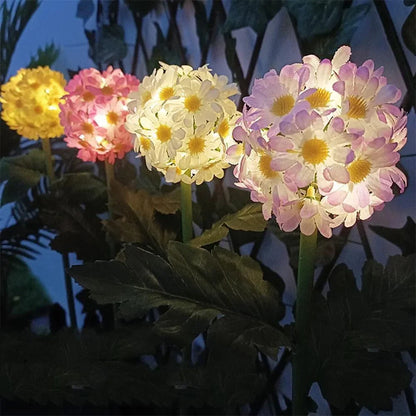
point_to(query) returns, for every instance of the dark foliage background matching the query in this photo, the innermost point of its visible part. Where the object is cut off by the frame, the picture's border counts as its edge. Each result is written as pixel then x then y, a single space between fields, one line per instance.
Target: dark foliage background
pixel 175 329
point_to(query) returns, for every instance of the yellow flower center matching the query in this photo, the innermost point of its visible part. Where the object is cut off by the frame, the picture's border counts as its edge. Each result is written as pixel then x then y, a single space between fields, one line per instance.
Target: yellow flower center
pixel 107 90
pixel 145 143
pixel 282 105
pixel 359 170
pixel 358 107
pixel 88 128
pixel 112 117
pixel 319 98
pixel 146 97
pixel 35 85
pixel 19 103
pixel 164 133
pixel 38 109
pixel 315 151
pixel 192 103
pixel 196 145
pixel 88 96
pixel 265 168
pixel 166 93
pixel 223 128
pixel 310 192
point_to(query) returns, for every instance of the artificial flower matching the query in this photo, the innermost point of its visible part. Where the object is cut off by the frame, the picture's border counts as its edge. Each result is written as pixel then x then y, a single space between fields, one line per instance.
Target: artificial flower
pixel 94 112
pixel 183 120
pixel 31 102
pixel 329 155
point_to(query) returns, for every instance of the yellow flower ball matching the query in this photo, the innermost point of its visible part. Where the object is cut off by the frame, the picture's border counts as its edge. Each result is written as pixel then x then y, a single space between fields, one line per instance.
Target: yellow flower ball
pixel 31 102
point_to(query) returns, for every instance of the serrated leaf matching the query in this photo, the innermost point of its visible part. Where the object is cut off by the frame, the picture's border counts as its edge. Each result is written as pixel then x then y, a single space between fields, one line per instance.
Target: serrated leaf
pixel 137 211
pixel 79 230
pixel 196 285
pixel 164 51
pixel 26 294
pixel 110 46
pixel 369 378
pixel 351 20
pixel 404 237
pixel 315 17
pixel 167 203
pixel 83 188
pixel 395 285
pixel 45 57
pixel 408 31
pixel 87 368
pixel 379 316
pixel 328 36
pixel 23 172
pixel 252 13
pixel 249 218
pixel 213 235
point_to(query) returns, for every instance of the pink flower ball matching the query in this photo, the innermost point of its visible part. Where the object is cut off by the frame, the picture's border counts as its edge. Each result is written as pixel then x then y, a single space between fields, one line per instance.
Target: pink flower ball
pixel 94 112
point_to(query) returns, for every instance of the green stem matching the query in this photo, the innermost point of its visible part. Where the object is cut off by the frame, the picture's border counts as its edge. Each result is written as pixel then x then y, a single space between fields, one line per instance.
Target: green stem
pixel 186 211
pixel 301 378
pixel 109 176
pixel 46 146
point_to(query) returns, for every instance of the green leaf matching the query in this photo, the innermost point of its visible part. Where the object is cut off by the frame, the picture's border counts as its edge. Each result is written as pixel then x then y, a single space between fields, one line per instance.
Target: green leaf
pixel 408 31
pixel 87 368
pixel 26 294
pixel 249 218
pixel 110 45
pixel 394 286
pixel 137 211
pixel 22 173
pixel 351 20
pixel 253 13
pixel 379 316
pixel 351 328
pixel 325 25
pixel 369 378
pixel 45 57
pixel 315 17
pixel 78 228
pixel 164 50
pixel 404 237
pixel 197 286
pixel 83 188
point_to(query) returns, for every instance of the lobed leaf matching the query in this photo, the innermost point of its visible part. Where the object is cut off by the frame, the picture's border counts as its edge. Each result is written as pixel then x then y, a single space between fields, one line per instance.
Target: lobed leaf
pixel 196 285
pixel 22 173
pixel 404 237
pixel 249 218
pixel 252 13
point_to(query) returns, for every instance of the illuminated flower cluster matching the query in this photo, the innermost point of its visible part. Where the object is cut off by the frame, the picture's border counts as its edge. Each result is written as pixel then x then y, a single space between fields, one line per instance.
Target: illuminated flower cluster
pixel 183 119
pixel 30 102
pixel 94 113
pixel 318 144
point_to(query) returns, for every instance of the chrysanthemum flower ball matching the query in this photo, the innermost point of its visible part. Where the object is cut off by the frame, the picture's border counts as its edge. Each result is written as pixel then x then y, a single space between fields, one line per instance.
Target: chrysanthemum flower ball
pixel 183 120
pixel 94 112
pixel 30 101
pixel 318 143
